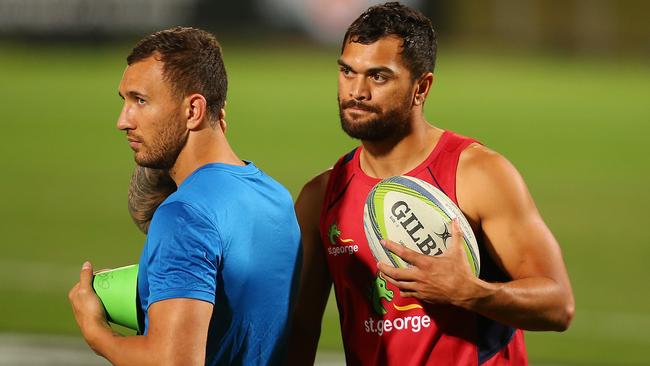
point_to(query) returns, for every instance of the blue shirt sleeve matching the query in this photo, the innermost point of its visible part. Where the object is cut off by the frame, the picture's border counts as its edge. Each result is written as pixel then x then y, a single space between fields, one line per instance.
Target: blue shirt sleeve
pixel 184 254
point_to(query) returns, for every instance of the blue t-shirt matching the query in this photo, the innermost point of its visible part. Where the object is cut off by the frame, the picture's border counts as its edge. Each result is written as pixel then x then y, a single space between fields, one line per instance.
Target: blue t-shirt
pixel 228 236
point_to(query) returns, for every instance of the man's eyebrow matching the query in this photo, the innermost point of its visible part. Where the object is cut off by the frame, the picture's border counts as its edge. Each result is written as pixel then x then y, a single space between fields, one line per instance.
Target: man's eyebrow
pixel 133 94
pixel 380 69
pixel 370 71
pixel 343 64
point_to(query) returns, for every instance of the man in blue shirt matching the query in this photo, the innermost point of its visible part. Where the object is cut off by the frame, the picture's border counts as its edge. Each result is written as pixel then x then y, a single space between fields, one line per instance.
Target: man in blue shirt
pixel 218 270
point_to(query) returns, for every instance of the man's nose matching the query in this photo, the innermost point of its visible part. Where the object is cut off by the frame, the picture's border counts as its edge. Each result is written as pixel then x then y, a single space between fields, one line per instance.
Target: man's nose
pixel 360 90
pixel 124 120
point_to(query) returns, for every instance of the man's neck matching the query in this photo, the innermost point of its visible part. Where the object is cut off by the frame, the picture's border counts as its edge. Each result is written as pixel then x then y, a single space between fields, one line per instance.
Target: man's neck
pixel 382 159
pixel 203 147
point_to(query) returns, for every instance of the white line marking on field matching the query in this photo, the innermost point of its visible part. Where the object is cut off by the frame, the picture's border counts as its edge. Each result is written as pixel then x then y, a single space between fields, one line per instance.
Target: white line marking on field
pixel 31 350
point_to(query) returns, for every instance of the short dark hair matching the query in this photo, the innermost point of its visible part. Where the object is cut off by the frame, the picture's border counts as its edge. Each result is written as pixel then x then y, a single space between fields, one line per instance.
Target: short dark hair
pixel 192 64
pixel 394 19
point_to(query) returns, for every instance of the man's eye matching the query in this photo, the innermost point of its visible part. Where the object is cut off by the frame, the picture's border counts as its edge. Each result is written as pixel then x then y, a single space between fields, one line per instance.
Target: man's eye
pixel 345 71
pixel 140 101
pixel 379 78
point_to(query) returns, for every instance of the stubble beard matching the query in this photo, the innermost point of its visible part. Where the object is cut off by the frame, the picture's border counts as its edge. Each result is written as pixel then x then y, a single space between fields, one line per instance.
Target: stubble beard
pixel 164 150
pixel 392 124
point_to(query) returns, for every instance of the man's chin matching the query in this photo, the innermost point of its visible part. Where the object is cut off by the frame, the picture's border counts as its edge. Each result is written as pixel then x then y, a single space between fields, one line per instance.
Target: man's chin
pixel 145 163
pixel 358 121
pixel 373 130
pixel 357 132
pixel 153 164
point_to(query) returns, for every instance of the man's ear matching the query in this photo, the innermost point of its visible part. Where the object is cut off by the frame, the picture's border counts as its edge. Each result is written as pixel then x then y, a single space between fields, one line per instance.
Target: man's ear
pixel 195 111
pixel 222 119
pixel 422 89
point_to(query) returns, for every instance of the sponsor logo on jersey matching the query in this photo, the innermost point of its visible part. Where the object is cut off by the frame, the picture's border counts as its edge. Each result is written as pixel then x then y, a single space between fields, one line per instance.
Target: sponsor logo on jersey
pixel 339 245
pixel 414 323
pixel 377 292
pixel 381 297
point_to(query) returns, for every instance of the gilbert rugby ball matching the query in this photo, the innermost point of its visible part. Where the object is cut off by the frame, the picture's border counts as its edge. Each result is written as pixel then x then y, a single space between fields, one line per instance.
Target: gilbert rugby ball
pixel 417 215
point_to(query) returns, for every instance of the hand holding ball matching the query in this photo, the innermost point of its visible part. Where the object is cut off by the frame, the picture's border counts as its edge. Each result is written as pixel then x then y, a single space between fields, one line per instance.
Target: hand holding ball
pixel 417 215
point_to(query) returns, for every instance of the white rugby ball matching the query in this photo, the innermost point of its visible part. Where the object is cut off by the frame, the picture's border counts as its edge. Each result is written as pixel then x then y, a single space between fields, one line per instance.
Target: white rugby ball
pixel 417 215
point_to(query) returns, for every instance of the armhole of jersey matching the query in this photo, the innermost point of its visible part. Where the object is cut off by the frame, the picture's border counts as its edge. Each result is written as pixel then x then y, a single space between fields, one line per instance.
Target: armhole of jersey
pixel 493 338
pixel 458 151
pixel 334 173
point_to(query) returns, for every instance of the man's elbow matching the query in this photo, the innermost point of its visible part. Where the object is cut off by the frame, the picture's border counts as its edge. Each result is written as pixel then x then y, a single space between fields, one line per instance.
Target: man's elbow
pixel 565 317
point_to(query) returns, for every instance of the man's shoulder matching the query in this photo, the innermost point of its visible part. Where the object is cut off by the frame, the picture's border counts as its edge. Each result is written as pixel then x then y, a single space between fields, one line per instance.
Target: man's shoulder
pixel 177 215
pixel 480 160
pixel 225 173
pixel 225 193
pixel 178 206
pixel 486 181
pixel 317 186
pixel 315 189
pixel 221 182
pixel 319 181
pixel 311 197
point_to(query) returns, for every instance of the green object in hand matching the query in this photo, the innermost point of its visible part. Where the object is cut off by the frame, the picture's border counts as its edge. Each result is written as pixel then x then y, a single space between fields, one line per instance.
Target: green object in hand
pixel 117 289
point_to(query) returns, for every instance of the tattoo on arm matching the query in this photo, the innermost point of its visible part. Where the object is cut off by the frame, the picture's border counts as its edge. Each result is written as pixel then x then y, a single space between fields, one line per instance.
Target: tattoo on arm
pixel 148 188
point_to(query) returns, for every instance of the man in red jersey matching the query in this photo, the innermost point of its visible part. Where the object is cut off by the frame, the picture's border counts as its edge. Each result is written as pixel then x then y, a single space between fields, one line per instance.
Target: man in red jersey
pixel 437 312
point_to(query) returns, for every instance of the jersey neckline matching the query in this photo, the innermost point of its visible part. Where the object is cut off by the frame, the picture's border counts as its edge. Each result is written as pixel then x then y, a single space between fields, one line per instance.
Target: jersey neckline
pixel 356 161
pixel 247 169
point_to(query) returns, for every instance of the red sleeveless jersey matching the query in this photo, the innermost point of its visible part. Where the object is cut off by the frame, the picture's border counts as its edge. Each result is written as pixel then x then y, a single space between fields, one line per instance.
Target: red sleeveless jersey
pixel 378 326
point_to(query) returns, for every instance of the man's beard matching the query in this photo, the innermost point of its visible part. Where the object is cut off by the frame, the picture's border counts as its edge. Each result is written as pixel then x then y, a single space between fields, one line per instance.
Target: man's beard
pixel 390 124
pixel 164 151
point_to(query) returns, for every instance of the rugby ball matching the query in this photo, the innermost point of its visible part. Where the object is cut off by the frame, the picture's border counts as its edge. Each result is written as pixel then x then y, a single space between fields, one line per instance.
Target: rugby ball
pixel 417 215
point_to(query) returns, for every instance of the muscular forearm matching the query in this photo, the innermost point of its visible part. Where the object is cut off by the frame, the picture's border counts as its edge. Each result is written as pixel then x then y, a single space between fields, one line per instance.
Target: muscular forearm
pixel 122 350
pixel 531 303
pixel 176 334
pixel 139 350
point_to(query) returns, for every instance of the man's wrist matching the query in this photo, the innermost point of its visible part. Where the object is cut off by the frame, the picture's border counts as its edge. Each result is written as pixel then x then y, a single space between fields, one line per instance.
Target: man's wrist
pixel 96 335
pixel 479 293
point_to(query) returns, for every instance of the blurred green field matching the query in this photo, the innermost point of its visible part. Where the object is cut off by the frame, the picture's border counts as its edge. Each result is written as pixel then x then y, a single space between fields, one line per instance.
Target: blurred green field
pixel 574 128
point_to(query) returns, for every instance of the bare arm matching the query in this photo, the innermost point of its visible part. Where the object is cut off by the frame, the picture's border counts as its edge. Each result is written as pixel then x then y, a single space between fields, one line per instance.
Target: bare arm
pixel 540 296
pixel 315 281
pixel 177 334
pixel 493 195
pixel 148 188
